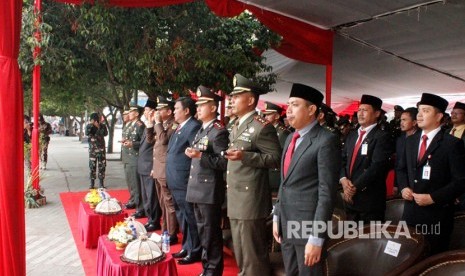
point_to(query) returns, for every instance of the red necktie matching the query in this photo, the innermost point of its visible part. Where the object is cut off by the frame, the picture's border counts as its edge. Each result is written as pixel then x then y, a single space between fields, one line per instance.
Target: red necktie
pixel 290 152
pixel 356 148
pixel 422 147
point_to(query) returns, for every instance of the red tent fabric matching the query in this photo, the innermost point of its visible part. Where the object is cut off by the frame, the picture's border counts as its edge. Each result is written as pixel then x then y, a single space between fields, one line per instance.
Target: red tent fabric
pixel 12 226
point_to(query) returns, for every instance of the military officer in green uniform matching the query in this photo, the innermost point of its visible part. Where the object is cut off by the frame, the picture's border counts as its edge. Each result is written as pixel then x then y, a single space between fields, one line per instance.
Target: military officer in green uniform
pixel 253 149
pixel 230 118
pixel 96 132
pixel 129 154
pixel 272 114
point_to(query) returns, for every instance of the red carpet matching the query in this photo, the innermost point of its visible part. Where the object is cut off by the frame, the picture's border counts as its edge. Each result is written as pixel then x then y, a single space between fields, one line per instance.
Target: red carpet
pixel 88 257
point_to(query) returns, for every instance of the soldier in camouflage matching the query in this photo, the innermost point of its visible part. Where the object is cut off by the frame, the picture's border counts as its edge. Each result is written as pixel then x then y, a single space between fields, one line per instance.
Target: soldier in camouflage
pixel 96 132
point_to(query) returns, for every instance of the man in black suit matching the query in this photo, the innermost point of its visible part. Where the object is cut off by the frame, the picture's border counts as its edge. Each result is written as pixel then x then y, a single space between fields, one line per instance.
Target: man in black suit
pixel 149 194
pixel 206 188
pixel 431 174
pixel 310 169
pixel 458 120
pixel 177 175
pixel 365 164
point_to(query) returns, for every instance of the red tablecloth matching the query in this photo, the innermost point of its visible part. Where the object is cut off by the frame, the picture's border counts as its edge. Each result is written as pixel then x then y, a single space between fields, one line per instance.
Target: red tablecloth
pixel 92 225
pixel 110 264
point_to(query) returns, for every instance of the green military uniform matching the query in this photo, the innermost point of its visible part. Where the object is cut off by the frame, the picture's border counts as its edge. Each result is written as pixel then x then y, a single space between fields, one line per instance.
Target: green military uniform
pixel 133 132
pixel 97 152
pixel 275 173
pixel 248 192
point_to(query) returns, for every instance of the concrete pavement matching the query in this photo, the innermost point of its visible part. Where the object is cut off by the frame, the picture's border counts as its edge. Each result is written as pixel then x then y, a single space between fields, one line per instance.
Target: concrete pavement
pixel 50 247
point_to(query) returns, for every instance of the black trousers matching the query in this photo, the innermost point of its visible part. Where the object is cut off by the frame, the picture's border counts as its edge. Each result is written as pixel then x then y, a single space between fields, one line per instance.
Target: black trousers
pixel 208 218
pixel 186 218
pixel 294 263
pixel 150 199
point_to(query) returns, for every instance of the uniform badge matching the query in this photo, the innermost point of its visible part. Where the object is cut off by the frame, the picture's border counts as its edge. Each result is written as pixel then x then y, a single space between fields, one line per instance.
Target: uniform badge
pixel 175 126
pixel 199 93
pixel 251 130
pixel 158 100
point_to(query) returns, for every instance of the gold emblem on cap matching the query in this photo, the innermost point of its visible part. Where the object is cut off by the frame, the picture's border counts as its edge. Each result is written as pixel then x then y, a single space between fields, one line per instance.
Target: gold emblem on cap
pixel 266 106
pixel 234 81
pixel 158 99
pixel 199 93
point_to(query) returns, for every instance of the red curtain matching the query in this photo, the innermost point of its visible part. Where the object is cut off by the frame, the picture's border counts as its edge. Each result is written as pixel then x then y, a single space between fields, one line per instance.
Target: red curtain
pixel 12 227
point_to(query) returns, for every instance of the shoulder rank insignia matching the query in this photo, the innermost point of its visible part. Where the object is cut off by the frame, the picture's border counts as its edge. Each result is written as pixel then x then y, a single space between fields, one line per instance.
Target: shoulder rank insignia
pixel 261 120
pixel 139 123
pixel 218 125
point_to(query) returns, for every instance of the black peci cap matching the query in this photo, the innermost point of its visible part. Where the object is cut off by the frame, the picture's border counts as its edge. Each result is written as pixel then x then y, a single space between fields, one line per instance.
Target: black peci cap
pixel 459 105
pixel 307 93
pixel 151 104
pixel 375 102
pixel 434 100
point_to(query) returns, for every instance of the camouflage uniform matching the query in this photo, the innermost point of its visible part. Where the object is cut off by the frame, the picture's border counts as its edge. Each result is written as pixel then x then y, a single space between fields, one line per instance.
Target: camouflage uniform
pixel 97 150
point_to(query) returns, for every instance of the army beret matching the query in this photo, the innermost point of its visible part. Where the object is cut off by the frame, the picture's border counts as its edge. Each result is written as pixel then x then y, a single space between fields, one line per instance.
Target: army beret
pixel 434 100
pixel 375 102
pixel 205 94
pixel 151 104
pixel 242 84
pixel 271 108
pixel 459 105
pixel 306 92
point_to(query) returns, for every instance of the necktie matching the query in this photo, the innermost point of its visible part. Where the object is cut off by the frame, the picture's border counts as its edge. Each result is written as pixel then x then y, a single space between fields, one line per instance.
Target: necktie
pixel 290 152
pixel 356 148
pixel 422 147
pixel 453 131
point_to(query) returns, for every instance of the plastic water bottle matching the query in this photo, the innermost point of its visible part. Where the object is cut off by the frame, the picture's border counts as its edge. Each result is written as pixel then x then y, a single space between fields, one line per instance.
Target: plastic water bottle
pixel 165 247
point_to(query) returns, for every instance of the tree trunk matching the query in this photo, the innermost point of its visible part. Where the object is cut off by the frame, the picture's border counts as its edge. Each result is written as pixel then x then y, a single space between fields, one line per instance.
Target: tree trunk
pixel 111 127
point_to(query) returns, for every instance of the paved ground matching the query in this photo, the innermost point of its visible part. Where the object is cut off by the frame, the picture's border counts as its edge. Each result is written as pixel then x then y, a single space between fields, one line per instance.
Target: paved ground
pixel 50 247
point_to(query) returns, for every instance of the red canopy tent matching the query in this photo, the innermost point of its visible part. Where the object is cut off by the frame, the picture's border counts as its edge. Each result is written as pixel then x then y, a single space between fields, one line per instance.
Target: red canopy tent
pixel 301 41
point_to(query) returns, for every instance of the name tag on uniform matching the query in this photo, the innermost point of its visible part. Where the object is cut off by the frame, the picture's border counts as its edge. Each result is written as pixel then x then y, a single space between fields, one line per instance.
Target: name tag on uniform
pixel 364 149
pixel 426 172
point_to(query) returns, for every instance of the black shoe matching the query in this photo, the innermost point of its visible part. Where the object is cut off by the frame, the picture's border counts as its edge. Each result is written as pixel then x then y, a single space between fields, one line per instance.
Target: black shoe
pixel 188 260
pixel 92 184
pixel 180 254
pixel 130 205
pixel 100 185
pixel 152 227
pixel 139 214
pixel 173 239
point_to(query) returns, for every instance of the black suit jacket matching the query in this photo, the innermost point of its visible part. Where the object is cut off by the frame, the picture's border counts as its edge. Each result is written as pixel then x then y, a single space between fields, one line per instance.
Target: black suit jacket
pixel 369 171
pixel 178 164
pixel 145 159
pixel 446 157
pixel 308 191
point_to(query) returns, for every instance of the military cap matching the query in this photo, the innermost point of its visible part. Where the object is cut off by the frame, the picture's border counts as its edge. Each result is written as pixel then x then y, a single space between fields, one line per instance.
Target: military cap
pixel 326 109
pixel 375 102
pixel 242 84
pixel 271 108
pixel 134 108
pixel 459 105
pixel 205 94
pixel 94 116
pixel 306 92
pixel 398 108
pixel 163 102
pixel 434 100
pixel 151 104
pixel 125 111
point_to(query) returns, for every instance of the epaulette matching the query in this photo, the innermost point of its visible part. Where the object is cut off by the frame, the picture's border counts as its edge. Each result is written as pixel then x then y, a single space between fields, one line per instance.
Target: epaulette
pixel 261 120
pixel 139 123
pixel 218 125
pixel 283 128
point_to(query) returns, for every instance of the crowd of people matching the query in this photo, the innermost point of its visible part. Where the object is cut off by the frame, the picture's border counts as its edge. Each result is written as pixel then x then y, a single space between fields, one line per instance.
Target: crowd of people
pixel 183 164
